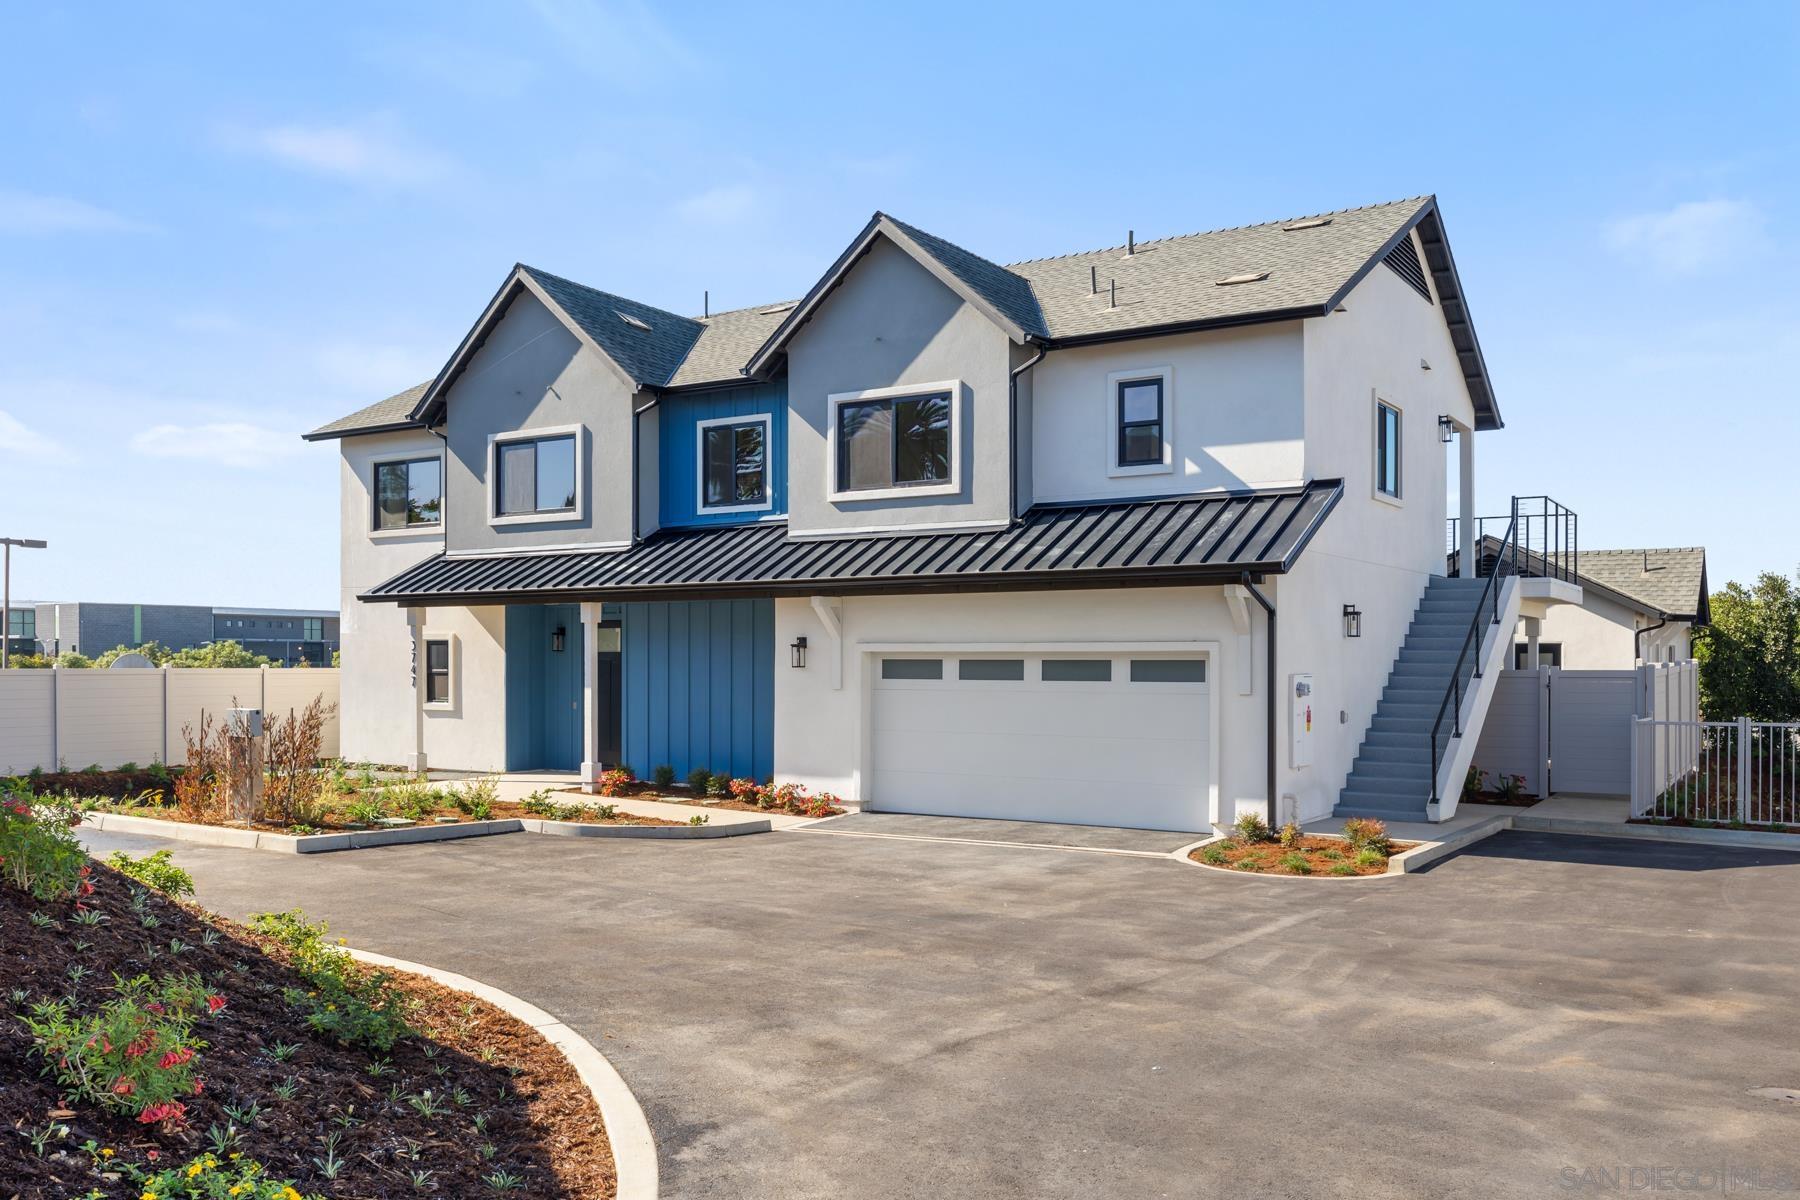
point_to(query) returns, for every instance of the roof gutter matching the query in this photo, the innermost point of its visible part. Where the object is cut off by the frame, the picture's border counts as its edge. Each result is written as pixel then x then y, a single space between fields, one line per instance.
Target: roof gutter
pixel 1269 698
pixel 1012 400
pixel 1637 639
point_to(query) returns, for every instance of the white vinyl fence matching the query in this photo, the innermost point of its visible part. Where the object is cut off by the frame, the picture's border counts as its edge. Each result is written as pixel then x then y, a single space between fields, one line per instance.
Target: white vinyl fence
pixel 78 718
pixel 1571 731
pixel 1729 771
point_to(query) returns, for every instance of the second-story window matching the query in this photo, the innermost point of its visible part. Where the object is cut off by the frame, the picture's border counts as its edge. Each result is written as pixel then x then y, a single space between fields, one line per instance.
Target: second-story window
pixel 899 441
pixel 1387 449
pixel 535 475
pixel 312 629
pixel 1140 406
pixel 734 464
pixel 409 493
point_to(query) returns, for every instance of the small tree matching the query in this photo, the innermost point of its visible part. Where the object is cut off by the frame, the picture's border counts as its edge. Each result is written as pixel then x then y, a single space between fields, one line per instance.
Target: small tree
pixel 228 653
pixel 1750 655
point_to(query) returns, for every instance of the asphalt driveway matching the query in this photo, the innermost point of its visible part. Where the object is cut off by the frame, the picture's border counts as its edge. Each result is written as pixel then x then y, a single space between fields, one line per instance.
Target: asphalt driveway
pixel 814 1016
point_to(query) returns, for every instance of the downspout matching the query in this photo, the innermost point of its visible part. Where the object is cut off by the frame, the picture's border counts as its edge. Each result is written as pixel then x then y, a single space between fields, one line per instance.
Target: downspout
pixel 1012 431
pixel 1269 697
pixel 1637 639
pixel 636 481
pixel 443 476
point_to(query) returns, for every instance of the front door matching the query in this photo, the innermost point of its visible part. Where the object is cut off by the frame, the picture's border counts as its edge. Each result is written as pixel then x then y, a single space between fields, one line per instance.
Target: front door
pixel 543 687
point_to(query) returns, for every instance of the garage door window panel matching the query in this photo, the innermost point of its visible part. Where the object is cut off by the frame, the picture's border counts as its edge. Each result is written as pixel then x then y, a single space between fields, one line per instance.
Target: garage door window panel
pixel 912 668
pixel 1078 670
pixel 995 669
pixel 1168 670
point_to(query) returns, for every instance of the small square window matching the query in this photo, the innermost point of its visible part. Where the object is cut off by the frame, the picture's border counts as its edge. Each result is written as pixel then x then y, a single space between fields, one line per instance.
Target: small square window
pixel 734 464
pixel 409 493
pixel 437 672
pixel 1140 420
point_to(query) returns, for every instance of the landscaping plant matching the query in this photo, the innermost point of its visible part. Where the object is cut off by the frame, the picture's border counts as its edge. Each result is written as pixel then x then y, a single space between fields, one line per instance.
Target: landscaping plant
pixel 1366 833
pixel 137 1053
pixel 698 779
pixel 1250 827
pixel 343 1000
pixel 1290 835
pixel 39 853
pixel 1473 783
pixel 210 1177
pixel 663 775
pixel 616 781
pixel 1511 788
pixel 293 793
pixel 154 870
pixel 476 800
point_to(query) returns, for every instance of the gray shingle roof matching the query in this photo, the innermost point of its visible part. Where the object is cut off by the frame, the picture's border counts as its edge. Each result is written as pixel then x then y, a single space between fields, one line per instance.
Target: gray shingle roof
pixel 649 356
pixel 1672 580
pixel 393 413
pixel 1174 280
pixel 1167 282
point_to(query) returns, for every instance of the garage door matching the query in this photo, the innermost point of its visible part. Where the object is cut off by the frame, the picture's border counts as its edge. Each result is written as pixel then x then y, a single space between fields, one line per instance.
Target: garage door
pixel 1079 739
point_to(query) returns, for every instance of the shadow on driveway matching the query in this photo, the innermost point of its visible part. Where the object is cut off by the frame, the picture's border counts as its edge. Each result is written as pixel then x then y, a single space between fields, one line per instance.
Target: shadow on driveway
pixel 1623 852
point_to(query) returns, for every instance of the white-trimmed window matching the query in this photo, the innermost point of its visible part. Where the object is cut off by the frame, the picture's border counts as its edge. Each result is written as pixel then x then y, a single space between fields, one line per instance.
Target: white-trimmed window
pixel 733 467
pixel 1140 421
pixel 896 441
pixel 440 666
pixel 1387 450
pixel 535 475
pixel 408 493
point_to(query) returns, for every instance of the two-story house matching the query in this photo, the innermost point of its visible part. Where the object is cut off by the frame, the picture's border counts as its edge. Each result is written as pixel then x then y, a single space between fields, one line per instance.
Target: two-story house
pixel 1132 536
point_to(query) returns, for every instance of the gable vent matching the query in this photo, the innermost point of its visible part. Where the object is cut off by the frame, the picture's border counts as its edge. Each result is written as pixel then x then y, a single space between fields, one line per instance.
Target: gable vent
pixel 1404 260
pixel 1313 223
pixel 1251 277
pixel 631 321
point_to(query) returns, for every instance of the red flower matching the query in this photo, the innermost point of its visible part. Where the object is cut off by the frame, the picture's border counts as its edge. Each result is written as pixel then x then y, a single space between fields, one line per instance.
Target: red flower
pixel 171 1111
pixel 197 1086
pixel 215 1003
pixel 152 1155
pixel 176 1057
pixel 124 1087
pixel 141 1046
pixel 156 1007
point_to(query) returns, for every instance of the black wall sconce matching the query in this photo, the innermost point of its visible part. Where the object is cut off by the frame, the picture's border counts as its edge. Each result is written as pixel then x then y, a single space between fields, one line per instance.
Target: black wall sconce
pixel 1446 430
pixel 1352 621
pixel 797 653
pixel 558 638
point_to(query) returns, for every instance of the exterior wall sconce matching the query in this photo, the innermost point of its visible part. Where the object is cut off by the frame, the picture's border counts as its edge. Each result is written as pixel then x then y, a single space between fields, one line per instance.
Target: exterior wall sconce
pixel 558 638
pixel 1446 430
pixel 797 653
pixel 1352 621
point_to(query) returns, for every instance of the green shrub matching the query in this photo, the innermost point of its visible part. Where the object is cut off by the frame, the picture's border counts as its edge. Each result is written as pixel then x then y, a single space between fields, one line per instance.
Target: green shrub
pixel 1248 864
pixel 1362 832
pixel 342 1001
pixel 718 785
pixel 39 853
pixel 1369 856
pixel 698 779
pixel 1473 782
pixel 155 871
pixel 208 1175
pixel 1290 836
pixel 1297 864
pixel 1214 854
pixel 663 776
pixel 699 819
pixel 1252 828
pixel 137 1054
pixel 538 804
pixel 476 800
pixel 1342 868
pixel 366 809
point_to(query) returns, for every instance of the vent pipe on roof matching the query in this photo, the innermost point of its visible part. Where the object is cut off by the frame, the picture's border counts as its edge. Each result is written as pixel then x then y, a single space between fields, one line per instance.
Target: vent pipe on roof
pixel 1112 294
pixel 706 304
pixel 1093 281
pixel 1130 242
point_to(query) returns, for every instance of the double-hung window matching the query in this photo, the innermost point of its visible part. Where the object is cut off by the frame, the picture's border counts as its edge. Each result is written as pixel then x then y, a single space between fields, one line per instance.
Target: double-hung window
pixel 1387 449
pixel 536 476
pixel 1140 420
pixel 409 493
pixel 894 439
pixel 437 671
pixel 734 464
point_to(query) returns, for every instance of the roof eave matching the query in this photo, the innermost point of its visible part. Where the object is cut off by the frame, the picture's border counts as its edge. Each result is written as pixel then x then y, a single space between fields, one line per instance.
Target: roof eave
pixel 327 435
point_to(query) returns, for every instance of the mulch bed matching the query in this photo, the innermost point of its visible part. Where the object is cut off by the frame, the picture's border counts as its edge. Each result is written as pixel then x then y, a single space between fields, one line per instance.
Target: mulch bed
pixel 731 802
pixel 1323 856
pixel 1500 799
pixel 100 783
pixel 539 1121
pixel 334 822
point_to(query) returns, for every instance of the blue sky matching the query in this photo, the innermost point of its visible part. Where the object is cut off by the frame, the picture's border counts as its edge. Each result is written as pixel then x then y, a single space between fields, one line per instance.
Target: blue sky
pixel 223 224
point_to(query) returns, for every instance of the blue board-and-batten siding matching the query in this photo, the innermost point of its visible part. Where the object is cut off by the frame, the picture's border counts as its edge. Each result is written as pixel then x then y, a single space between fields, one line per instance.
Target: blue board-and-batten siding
pixel 679 440
pixel 699 688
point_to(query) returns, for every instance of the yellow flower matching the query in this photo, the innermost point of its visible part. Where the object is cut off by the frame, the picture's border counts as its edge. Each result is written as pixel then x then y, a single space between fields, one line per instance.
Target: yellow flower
pixel 195 1170
pixel 148 1196
pixel 234 1189
pixel 288 1193
pixel 106 1152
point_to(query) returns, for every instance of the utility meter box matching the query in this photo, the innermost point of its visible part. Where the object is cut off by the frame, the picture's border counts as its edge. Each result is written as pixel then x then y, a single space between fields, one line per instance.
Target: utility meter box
pixel 1300 721
pixel 243 722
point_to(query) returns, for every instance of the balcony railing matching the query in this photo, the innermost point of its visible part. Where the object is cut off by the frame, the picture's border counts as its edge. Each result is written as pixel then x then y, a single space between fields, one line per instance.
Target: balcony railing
pixel 1544 542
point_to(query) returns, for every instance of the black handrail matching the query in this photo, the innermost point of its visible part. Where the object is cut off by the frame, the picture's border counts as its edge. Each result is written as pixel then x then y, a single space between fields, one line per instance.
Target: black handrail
pixel 1546 536
pixel 1453 694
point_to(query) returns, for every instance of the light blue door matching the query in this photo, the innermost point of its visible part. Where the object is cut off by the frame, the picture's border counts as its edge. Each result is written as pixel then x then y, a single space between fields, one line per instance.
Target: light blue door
pixel 543 687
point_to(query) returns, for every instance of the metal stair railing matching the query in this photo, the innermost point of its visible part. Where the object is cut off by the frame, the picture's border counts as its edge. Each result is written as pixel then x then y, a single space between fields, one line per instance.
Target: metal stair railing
pixel 1453 694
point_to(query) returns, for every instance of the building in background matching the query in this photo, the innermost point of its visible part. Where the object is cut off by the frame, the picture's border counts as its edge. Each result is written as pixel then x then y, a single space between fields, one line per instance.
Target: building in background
pixel 21 628
pixel 286 635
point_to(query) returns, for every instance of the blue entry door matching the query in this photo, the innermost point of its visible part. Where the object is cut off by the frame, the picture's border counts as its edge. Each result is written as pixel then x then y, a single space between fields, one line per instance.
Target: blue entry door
pixel 543 687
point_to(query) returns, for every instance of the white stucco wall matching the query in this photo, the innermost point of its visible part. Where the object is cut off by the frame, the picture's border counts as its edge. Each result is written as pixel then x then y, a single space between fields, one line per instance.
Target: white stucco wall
pixel 1236 402
pixel 376 689
pixel 1599 634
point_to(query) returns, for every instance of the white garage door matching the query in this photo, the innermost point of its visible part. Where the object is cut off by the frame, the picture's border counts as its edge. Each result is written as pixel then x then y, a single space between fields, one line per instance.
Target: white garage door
pixel 1079 739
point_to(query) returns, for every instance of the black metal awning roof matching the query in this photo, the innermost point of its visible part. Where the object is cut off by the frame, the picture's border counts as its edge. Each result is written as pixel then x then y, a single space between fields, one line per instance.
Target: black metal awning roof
pixel 1210 538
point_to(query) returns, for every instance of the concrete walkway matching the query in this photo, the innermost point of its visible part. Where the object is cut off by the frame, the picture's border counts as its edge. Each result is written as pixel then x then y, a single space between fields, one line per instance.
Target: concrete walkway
pixel 817 1017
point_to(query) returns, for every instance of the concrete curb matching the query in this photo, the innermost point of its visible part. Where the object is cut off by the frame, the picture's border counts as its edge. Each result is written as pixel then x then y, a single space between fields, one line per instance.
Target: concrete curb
pixel 633 1145
pixel 319 843
pixel 1743 839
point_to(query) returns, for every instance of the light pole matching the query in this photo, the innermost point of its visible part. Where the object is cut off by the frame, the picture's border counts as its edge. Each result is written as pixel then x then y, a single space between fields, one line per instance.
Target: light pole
pixel 6 594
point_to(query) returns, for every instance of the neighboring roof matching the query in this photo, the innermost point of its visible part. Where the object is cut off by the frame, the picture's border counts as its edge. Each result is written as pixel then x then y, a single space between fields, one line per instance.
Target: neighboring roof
pixel 393 413
pixel 1285 270
pixel 1210 538
pixel 1670 580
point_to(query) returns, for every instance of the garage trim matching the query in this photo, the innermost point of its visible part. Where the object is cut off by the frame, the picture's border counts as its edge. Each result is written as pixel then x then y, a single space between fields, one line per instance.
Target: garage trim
pixel 863 752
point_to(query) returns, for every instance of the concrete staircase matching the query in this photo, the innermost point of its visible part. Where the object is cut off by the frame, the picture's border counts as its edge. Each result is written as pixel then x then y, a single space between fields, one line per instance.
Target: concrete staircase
pixel 1391 777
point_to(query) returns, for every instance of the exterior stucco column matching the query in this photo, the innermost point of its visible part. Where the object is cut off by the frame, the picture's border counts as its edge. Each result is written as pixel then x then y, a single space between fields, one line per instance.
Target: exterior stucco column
pixel 586 646
pixel 1465 477
pixel 415 623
